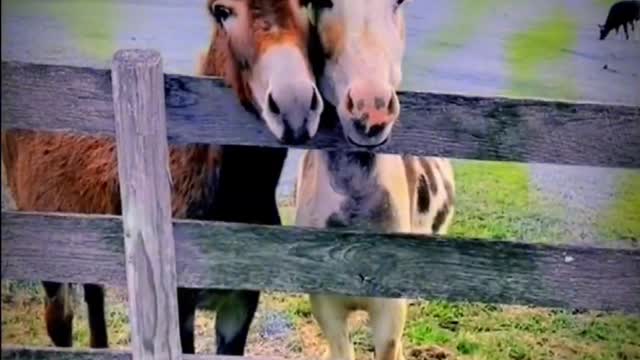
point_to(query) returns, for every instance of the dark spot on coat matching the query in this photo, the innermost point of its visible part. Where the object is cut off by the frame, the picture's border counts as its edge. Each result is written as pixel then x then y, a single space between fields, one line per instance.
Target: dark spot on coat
pixel 423 195
pixel 426 166
pixel 441 216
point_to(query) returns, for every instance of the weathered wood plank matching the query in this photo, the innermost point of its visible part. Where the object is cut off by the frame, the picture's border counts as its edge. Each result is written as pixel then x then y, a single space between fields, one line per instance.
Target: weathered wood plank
pixel 62 98
pixel 143 168
pixel 39 353
pixel 80 249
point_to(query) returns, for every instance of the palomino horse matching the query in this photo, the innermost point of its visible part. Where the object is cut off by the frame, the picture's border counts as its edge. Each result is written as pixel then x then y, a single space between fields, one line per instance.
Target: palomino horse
pixel 362 42
pixel 259 46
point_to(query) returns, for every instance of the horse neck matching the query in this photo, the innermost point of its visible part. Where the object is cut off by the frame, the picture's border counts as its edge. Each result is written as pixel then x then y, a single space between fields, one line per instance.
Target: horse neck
pixel 371 188
pixel 248 175
pixel 247 184
pixel 353 173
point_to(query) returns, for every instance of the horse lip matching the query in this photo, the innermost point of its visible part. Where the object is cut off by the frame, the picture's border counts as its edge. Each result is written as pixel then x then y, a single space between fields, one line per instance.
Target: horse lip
pixel 353 142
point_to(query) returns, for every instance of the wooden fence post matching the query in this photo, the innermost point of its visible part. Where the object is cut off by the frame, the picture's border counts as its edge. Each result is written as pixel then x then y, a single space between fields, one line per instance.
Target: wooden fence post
pixel 143 166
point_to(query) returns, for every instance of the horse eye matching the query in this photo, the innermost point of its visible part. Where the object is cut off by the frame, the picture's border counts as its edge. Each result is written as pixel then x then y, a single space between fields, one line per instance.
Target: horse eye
pixel 221 13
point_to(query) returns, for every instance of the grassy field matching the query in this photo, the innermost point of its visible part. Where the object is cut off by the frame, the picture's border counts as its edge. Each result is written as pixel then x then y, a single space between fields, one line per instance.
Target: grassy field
pixel 471 16
pixel 510 210
pixel 542 45
pixel 435 330
pixel 513 209
pixel 622 219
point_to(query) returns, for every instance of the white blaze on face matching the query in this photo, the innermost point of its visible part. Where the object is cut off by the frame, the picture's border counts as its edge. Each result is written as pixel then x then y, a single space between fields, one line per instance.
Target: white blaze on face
pixel 364 42
pixel 282 73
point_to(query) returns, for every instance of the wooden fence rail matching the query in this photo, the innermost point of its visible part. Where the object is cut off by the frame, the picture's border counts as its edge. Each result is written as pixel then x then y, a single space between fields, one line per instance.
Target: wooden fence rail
pixel 204 110
pixel 81 248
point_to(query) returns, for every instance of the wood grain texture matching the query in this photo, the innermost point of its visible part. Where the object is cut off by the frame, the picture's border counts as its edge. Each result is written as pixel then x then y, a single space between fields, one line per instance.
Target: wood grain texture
pixel 143 168
pixel 79 248
pixel 205 110
pixel 39 353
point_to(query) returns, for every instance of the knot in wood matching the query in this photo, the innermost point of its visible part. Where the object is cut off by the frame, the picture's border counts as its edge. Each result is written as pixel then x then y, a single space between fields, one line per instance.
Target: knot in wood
pixel 364 278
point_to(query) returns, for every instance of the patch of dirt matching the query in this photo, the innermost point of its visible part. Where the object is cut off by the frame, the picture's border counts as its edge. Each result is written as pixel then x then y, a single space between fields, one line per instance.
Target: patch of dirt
pixel 273 336
pixel 205 331
pixel 430 353
pixel 310 337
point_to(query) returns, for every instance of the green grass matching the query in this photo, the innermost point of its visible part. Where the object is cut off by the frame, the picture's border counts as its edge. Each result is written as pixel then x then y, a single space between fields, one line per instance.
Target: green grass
pixel 23 317
pixel 435 330
pixel 605 3
pixel 621 221
pixel 466 20
pixel 543 44
pixel 495 201
pixel 477 331
pixel 92 24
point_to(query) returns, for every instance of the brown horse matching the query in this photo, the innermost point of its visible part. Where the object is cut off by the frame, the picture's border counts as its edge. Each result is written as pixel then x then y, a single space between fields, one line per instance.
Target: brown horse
pixel 259 47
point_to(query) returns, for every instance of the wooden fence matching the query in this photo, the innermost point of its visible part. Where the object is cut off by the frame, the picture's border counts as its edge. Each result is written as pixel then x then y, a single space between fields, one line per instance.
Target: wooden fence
pixel 151 111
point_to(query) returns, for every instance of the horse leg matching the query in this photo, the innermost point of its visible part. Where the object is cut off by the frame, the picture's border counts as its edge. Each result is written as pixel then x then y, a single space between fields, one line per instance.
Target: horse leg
pixel 94 297
pixel 388 317
pixel 58 313
pixel 331 315
pixel 187 301
pixel 626 33
pixel 233 320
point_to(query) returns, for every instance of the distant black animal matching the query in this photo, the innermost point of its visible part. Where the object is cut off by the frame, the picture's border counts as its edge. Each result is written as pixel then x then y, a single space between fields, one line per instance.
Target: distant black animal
pixel 621 13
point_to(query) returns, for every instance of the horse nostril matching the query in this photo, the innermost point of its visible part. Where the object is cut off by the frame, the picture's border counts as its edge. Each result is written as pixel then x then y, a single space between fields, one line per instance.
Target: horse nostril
pixel 360 126
pixel 272 105
pixel 291 137
pixel 314 101
pixel 349 102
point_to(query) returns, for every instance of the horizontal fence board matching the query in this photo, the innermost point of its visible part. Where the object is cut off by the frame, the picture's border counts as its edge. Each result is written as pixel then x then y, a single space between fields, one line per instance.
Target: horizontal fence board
pixel 63 98
pixel 10 352
pixel 81 248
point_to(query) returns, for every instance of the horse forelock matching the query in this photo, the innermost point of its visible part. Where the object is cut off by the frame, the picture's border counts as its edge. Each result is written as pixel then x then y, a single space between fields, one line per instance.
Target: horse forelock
pixel 274 21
